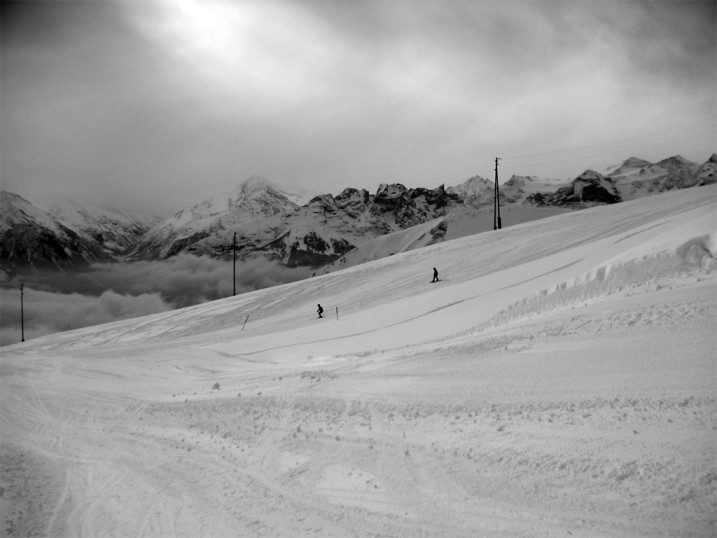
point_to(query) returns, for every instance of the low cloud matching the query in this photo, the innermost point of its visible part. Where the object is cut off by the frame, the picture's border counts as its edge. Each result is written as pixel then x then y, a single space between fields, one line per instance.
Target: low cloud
pixel 49 312
pixel 55 302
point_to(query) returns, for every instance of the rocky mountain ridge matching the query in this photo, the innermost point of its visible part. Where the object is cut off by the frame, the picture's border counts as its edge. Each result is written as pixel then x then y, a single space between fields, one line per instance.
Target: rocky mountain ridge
pixel 263 219
pixel 268 224
pixel 634 178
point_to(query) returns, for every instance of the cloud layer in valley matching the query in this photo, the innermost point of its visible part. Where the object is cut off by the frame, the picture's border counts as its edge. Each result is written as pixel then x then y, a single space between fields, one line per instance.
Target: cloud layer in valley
pixel 153 104
pixel 55 302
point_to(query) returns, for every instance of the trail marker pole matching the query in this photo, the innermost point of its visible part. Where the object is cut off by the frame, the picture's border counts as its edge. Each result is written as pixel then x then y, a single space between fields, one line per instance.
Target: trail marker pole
pixel 496 206
pixel 247 319
pixel 337 313
pixel 234 265
pixel 22 313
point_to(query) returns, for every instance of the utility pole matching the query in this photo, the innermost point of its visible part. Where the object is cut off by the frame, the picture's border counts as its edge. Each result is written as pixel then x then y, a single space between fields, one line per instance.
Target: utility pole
pixel 22 313
pixel 234 265
pixel 496 203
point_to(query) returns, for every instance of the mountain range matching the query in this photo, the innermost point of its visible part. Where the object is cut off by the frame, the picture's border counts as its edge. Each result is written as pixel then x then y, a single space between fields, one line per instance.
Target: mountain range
pixel 263 219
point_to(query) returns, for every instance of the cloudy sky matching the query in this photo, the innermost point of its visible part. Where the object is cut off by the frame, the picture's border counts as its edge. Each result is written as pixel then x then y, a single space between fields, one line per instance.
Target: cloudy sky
pixel 154 105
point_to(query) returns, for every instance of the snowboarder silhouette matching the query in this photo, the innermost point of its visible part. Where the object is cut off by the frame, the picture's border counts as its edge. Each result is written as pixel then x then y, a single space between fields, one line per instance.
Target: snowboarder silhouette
pixel 320 311
pixel 435 275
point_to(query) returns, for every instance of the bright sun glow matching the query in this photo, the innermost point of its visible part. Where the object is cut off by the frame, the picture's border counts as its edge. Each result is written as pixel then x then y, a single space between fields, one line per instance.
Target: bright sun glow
pixel 211 30
pixel 246 47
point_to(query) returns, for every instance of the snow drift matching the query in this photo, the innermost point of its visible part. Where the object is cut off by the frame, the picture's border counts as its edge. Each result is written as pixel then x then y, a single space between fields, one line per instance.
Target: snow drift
pixel 559 380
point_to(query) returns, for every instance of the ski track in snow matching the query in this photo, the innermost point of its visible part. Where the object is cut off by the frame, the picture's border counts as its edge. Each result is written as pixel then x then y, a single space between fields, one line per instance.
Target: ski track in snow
pixel 560 383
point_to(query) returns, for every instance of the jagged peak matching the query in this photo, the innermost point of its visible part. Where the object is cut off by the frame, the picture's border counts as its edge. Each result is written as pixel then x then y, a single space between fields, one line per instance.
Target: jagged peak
pixel 326 198
pixel 472 184
pixel 590 174
pixel 635 162
pixel 10 197
pixel 391 189
pixel 475 180
pixel 628 165
pixel 352 191
pixel 15 208
pixel 675 160
pixel 255 183
pixel 520 180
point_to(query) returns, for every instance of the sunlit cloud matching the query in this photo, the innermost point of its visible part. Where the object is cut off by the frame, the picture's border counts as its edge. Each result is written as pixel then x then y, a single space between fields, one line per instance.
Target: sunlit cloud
pixel 158 104
pixel 273 54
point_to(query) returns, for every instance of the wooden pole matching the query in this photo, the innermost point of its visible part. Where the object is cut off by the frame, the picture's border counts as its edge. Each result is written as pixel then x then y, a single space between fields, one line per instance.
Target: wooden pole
pixel 497 223
pixel 495 210
pixel 234 265
pixel 247 319
pixel 22 313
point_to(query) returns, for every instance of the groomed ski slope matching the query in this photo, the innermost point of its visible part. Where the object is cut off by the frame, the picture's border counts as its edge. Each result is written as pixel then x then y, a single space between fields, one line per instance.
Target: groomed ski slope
pixel 560 380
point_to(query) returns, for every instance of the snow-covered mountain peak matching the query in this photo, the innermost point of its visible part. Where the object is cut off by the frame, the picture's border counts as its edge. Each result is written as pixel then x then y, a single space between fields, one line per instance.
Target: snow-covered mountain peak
pixel 629 165
pixel 114 231
pixel 294 193
pixel 256 183
pixel 15 209
pixel 475 190
pixel 473 185
pixel 590 174
pixel 82 215
pixel 33 237
pixel 255 196
pixel 635 162
pixel 260 189
pixel 676 161
pixel 257 186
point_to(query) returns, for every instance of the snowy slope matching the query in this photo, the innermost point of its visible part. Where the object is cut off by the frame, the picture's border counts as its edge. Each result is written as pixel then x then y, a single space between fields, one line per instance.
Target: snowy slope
pixel 558 381
pixel 453 226
pixel 415 237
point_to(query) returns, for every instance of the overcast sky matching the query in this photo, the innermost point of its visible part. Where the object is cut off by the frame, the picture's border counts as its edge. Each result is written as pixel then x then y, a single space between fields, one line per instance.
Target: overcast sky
pixel 155 105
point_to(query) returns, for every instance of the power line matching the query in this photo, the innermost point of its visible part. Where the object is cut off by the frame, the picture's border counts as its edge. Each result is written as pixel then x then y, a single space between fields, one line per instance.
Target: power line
pixel 707 126
pixel 468 167
pixel 703 127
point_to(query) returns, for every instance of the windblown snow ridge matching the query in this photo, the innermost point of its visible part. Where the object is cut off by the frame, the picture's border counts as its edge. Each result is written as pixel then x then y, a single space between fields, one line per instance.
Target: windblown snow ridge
pixel 692 259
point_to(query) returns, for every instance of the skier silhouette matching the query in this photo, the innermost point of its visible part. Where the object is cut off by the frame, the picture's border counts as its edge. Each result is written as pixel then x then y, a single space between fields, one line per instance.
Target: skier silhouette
pixel 435 275
pixel 320 311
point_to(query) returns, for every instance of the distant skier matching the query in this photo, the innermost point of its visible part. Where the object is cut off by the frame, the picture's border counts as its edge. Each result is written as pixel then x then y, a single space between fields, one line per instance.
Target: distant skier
pixel 320 311
pixel 435 275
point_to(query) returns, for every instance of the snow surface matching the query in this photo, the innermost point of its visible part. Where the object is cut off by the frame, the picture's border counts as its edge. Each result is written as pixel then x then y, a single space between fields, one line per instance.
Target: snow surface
pixel 559 381
pixel 457 224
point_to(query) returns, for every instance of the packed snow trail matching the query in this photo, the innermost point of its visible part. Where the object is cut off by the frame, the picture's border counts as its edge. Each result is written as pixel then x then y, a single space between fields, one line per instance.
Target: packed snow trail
pixel 561 382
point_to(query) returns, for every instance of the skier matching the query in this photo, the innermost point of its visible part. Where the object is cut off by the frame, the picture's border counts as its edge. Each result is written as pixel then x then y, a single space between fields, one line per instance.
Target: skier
pixel 435 275
pixel 320 311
